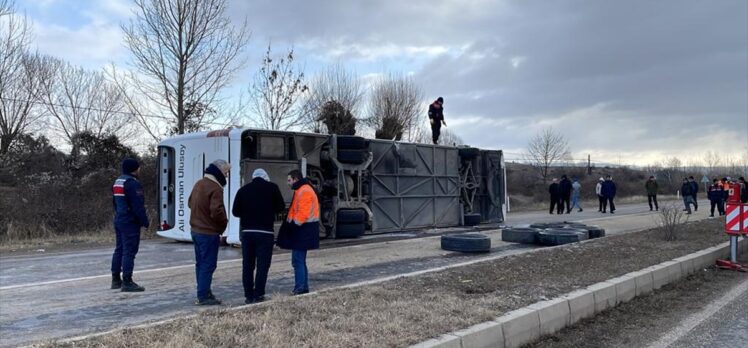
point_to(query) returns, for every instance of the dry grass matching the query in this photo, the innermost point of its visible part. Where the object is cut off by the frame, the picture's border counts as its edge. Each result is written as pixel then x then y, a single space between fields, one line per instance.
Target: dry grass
pixel 20 240
pixel 524 203
pixel 408 310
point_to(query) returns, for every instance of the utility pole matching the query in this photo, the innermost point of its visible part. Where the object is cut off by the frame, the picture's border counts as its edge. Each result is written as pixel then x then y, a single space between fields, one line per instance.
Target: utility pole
pixel 589 165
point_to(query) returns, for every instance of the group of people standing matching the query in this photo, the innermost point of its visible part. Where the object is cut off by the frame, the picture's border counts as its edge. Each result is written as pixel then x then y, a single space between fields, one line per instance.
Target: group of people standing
pixel 566 195
pixel 256 205
pixel 719 191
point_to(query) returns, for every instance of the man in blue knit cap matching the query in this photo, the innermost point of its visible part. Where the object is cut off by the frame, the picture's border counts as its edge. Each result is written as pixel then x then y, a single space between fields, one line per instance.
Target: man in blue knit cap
pixel 129 217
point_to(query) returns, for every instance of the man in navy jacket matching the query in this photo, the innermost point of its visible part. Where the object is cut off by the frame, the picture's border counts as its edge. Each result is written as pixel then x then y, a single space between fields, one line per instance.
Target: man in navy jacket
pixel 129 217
pixel 256 205
pixel 608 191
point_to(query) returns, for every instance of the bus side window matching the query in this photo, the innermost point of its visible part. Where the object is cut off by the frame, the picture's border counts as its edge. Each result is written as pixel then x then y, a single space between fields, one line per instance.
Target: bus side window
pixel 249 146
pixel 272 147
pixel 292 149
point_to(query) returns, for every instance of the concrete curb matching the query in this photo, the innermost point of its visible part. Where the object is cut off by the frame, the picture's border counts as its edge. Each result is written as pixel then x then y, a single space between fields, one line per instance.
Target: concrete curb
pixel 527 324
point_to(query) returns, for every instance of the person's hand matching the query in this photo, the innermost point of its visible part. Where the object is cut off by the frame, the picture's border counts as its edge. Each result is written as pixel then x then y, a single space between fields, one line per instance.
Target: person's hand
pixel 431 120
pixel 444 123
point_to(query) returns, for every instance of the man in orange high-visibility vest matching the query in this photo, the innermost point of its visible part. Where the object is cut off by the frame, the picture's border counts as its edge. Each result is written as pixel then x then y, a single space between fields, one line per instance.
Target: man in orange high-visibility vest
pixel 303 216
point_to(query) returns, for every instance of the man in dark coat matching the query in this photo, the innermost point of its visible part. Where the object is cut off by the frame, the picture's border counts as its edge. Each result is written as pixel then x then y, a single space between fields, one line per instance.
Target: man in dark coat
pixel 608 191
pixel 555 191
pixel 694 192
pixel 565 186
pixel 256 205
pixel 129 217
pixel 303 229
pixel 436 118
pixel 686 190
pixel 652 189
pixel 716 195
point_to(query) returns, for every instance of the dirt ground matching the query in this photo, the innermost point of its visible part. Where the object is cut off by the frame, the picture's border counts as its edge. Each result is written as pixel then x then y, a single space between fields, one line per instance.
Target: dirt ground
pixel 405 311
pixel 640 322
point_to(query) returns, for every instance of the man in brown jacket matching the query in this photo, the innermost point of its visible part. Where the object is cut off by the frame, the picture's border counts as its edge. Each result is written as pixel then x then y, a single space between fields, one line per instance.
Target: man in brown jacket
pixel 208 220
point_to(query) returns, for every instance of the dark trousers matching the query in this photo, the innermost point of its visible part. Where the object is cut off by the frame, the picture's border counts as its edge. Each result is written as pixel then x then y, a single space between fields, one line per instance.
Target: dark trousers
pixel 257 250
pixel 206 258
pixel 557 205
pixel 601 203
pixel 650 199
pixel 566 203
pixel 606 201
pixel 695 203
pixel 720 205
pixel 435 132
pixel 126 247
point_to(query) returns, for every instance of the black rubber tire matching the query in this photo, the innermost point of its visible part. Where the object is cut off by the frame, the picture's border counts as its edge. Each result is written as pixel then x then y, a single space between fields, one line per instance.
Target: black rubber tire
pixel 351 216
pixel 351 142
pixel 472 219
pixel 523 235
pixel 349 230
pixel 540 225
pixel 593 231
pixel 467 243
pixel 468 152
pixel 352 156
pixel 560 236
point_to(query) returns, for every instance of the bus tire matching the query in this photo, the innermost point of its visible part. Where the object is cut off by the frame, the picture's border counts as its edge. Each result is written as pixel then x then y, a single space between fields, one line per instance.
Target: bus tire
pixel 561 236
pixel 352 156
pixel 349 230
pixel 466 243
pixel 351 216
pixel 472 219
pixel 522 235
pixel 350 142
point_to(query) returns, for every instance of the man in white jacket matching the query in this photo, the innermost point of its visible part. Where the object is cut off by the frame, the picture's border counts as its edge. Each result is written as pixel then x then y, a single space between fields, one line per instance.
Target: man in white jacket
pixel 598 191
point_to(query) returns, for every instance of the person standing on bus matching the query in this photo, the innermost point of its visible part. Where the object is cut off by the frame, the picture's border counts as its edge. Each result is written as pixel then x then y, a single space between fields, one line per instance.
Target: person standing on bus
pixel 256 205
pixel 208 221
pixel 129 217
pixel 436 118
pixel 302 226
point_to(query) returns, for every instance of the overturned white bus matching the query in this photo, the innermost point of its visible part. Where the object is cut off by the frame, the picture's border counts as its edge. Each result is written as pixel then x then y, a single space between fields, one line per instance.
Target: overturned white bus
pixel 364 186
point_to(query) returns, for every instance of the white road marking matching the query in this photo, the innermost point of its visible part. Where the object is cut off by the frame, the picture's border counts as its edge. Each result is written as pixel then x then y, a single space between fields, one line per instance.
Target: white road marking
pixel 697 318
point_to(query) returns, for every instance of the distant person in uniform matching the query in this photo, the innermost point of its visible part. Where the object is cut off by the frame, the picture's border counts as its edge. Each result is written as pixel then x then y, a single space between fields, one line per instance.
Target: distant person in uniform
pixel 716 195
pixel 576 194
pixel 256 205
pixel 609 194
pixel 565 186
pixel 652 188
pixel 555 191
pixel 303 221
pixel 694 192
pixel 436 118
pixel 686 189
pixel 208 221
pixel 129 217
pixel 599 193
pixel 743 190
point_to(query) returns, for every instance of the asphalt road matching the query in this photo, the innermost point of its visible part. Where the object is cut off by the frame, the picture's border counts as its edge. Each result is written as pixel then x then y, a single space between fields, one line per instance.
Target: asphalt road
pixel 62 294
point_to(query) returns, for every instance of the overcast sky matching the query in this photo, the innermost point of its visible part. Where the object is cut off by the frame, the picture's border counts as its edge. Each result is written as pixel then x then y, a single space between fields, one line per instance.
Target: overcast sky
pixel 629 81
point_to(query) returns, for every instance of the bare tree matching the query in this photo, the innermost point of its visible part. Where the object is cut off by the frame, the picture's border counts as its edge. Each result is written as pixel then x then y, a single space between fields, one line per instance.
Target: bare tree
pixel 669 219
pixel 276 92
pixel 712 160
pixel 80 100
pixel 450 138
pixel 335 86
pixel 188 50
pixel 20 76
pixel 6 7
pixel 546 149
pixel 394 108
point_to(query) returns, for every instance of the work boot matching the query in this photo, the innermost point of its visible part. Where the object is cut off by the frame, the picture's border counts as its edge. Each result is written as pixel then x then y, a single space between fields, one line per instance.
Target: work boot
pixel 116 281
pixel 130 286
pixel 581 210
pixel 208 302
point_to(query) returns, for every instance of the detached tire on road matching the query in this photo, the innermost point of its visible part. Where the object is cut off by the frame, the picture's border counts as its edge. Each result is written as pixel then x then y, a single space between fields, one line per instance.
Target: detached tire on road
pixel 524 235
pixel 472 219
pixel 349 142
pixel 594 231
pixel 467 243
pixel 349 230
pixel 352 156
pixel 540 225
pixel 561 236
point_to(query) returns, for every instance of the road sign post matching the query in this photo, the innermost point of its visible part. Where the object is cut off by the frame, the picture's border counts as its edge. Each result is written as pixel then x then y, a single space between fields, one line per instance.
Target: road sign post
pixel 736 224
